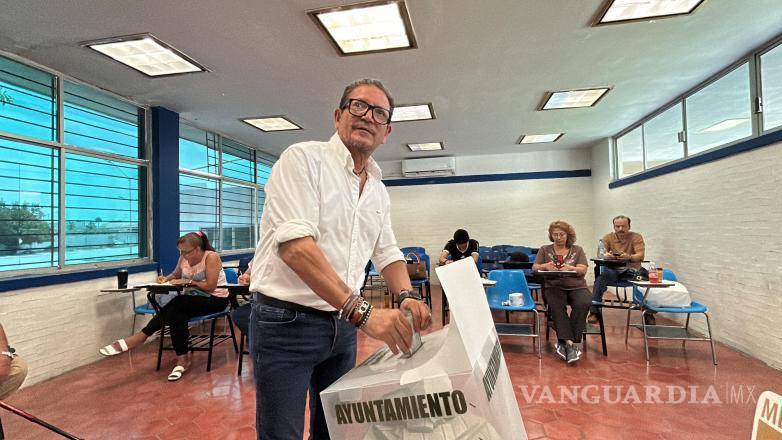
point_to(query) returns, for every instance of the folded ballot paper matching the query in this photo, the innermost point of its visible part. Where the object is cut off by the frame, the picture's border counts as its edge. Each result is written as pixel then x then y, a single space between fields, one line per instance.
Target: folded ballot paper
pixel 456 386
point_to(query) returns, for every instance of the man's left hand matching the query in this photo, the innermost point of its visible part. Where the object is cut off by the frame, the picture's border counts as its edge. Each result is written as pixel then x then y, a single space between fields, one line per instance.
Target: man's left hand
pixel 422 317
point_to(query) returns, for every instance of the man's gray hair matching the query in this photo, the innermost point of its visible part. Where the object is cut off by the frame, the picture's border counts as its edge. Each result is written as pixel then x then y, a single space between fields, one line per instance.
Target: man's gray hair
pixel 621 217
pixel 365 82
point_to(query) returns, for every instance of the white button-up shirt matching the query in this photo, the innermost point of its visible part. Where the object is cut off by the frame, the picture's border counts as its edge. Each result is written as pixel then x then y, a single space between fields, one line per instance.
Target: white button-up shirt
pixel 312 191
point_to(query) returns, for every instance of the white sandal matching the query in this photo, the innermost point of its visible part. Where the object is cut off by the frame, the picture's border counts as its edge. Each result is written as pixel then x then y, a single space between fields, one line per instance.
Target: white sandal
pixel 176 373
pixel 109 350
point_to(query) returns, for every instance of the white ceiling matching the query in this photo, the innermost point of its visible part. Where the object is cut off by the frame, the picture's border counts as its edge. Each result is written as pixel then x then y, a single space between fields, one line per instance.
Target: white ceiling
pixel 485 65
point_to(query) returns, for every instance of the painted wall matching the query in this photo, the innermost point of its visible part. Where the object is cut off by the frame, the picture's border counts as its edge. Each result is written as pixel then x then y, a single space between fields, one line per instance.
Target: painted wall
pixel 717 226
pixel 515 212
pixel 59 328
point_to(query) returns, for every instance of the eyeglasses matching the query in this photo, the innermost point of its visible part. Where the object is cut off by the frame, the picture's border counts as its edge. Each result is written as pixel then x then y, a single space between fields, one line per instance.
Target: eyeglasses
pixel 359 108
pixel 559 234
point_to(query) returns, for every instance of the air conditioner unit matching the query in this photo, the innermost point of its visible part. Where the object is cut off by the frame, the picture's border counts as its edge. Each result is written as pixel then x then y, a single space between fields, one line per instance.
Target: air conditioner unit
pixel 433 166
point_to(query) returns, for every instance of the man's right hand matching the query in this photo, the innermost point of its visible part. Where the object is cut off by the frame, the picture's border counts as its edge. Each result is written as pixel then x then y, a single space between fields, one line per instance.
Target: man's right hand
pixel 391 327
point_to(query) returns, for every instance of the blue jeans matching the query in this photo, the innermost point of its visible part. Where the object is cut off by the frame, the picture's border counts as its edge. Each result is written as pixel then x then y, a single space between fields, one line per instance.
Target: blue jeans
pixel 295 352
pixel 608 277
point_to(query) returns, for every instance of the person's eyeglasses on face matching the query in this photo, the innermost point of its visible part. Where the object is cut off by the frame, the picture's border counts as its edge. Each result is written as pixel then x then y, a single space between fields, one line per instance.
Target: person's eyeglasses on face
pixel 559 234
pixel 359 108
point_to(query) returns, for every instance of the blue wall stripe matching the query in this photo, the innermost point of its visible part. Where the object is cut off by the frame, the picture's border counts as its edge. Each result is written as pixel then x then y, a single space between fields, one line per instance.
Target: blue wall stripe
pixel 564 174
pixel 56 279
pixel 711 156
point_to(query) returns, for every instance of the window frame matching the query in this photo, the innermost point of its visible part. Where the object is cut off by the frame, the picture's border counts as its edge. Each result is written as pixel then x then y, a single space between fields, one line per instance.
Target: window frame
pixel 144 195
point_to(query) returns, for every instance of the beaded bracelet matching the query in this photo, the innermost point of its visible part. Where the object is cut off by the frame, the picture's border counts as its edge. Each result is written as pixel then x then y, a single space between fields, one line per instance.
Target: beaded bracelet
pixel 359 312
pixel 365 317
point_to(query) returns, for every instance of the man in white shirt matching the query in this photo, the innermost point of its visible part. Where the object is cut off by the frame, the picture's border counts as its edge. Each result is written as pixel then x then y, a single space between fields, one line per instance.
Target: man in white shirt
pixel 326 213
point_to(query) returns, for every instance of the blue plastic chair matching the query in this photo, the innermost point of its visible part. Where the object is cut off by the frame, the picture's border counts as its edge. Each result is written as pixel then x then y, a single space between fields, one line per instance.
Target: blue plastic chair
pixel 486 259
pixel 513 281
pixel 501 247
pixel 681 333
pixel 199 342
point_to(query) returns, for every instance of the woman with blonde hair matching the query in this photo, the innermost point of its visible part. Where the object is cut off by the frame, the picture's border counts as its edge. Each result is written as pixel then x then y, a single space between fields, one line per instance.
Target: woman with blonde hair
pixel 200 270
pixel 563 254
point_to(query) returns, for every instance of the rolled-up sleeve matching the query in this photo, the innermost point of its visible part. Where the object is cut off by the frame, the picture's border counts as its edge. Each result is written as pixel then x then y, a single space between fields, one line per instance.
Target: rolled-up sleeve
pixel 639 249
pixel 386 250
pixel 292 198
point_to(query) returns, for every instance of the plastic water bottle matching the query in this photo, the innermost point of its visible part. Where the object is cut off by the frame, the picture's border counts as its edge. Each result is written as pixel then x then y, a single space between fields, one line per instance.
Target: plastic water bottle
pixel 601 249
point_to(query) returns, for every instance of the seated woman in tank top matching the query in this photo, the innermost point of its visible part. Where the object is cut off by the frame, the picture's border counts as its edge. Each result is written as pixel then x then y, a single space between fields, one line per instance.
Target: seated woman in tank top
pixel 200 269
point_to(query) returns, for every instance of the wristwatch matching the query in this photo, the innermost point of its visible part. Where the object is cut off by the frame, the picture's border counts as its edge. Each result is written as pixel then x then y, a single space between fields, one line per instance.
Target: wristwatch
pixel 405 294
pixel 11 353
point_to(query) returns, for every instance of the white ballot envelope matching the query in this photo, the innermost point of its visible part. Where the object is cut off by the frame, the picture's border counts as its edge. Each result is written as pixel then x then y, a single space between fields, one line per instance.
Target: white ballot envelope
pixel 456 386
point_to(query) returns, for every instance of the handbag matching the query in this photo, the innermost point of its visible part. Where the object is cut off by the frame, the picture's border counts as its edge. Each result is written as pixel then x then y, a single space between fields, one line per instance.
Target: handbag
pixel 633 274
pixel 416 269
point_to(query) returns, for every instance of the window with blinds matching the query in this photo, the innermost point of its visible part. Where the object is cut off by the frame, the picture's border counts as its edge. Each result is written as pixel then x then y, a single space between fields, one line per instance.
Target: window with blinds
pixel 221 188
pixel 99 122
pixel 102 210
pixel 199 205
pixel 29 206
pixel 27 101
pixel 101 142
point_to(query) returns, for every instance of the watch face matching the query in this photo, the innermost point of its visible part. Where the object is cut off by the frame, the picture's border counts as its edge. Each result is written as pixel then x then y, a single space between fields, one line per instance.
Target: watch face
pixel 11 350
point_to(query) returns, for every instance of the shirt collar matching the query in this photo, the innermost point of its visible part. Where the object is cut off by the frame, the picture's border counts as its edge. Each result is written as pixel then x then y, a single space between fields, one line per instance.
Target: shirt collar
pixel 342 151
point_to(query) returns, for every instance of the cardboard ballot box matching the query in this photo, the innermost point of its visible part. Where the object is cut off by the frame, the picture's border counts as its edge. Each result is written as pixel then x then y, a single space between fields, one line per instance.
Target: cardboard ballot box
pixel 456 386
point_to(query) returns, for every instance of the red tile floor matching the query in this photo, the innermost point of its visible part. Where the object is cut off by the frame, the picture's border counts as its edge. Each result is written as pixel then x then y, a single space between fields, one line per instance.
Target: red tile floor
pixel 123 397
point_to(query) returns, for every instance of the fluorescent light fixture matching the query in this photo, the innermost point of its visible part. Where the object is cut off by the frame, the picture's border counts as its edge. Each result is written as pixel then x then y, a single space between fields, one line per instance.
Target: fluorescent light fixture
pixel 427 146
pixel 147 54
pixel 539 138
pixel 573 98
pixel 621 11
pixel 412 112
pixel 272 123
pixel 725 125
pixel 367 27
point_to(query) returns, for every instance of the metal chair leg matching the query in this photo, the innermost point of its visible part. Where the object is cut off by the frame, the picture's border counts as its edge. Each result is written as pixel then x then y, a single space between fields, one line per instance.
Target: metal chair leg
pixel 160 346
pixel 686 327
pixel 211 345
pixel 627 326
pixel 646 339
pixel 537 332
pixel 230 322
pixel 602 333
pixel 711 339
pixel 241 353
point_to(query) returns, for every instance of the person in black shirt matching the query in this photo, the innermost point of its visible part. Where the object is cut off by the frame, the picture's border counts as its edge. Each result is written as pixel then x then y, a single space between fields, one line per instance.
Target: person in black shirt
pixel 460 247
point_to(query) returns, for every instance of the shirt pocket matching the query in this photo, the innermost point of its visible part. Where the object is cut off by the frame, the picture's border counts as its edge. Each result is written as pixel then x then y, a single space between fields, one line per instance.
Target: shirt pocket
pixel 370 222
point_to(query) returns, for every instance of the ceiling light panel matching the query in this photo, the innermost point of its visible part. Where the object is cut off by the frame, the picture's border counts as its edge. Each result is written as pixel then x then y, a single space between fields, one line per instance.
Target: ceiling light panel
pixel 367 27
pixel 272 123
pixel 727 124
pixel 412 112
pixel 618 11
pixel 539 138
pixel 147 54
pixel 573 98
pixel 428 146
